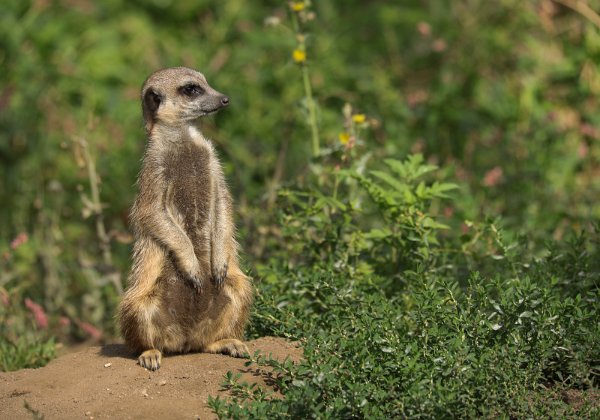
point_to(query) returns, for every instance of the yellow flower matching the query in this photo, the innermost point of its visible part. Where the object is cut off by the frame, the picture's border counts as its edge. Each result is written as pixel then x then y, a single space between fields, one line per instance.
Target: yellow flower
pixel 344 138
pixel 359 118
pixel 297 6
pixel 299 56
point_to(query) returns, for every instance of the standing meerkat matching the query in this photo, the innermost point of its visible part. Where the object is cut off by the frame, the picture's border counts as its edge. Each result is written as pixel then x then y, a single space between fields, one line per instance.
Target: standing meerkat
pixel 186 290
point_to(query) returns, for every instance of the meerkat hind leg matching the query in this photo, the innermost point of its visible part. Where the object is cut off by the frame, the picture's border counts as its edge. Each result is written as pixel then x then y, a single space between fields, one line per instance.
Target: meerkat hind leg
pixel 230 346
pixel 150 359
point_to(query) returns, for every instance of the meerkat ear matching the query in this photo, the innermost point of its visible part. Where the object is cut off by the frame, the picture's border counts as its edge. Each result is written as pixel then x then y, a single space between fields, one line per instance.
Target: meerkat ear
pixel 152 101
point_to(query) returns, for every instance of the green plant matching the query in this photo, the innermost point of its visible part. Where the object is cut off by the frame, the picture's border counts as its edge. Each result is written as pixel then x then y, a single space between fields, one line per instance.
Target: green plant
pixel 356 250
pixel 432 344
pixel 300 15
pixel 498 346
pixel 25 353
pixel 373 221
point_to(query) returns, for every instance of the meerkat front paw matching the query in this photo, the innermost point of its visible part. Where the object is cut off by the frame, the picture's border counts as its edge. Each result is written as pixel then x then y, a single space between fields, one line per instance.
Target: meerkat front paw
pixel 219 275
pixel 150 359
pixel 196 282
pixel 193 274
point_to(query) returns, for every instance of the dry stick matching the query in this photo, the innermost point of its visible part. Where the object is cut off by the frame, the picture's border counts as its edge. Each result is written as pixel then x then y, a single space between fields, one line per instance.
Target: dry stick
pixel 583 9
pixel 97 208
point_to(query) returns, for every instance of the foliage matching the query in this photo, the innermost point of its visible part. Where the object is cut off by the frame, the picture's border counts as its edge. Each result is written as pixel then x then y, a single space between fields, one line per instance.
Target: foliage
pixel 24 338
pixel 416 190
pixel 439 345
pixel 25 353
pixel 348 232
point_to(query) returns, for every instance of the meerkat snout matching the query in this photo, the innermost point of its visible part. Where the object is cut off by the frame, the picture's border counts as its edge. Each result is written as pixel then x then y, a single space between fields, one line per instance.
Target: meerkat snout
pixel 177 96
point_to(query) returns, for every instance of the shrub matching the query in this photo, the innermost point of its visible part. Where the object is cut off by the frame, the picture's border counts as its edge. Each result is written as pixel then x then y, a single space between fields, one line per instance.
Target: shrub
pixel 434 345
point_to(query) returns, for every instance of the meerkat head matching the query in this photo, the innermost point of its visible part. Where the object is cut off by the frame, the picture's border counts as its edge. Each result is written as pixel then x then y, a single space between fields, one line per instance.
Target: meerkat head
pixel 178 96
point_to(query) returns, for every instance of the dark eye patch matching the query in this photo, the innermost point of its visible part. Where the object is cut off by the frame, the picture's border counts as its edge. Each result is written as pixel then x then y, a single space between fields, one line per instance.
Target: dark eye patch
pixel 191 90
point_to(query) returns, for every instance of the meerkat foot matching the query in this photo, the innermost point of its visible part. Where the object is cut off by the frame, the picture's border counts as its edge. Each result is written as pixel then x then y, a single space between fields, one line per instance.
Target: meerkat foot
pixel 150 359
pixel 229 346
pixel 219 275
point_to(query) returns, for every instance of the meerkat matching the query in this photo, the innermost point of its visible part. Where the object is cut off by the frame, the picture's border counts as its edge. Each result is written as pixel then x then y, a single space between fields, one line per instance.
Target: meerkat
pixel 186 290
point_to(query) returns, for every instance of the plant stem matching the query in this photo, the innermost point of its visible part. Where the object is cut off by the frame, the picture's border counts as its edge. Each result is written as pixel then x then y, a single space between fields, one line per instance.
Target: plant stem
pixel 312 115
pixel 104 239
pixel 335 185
pixel 95 190
pixel 583 9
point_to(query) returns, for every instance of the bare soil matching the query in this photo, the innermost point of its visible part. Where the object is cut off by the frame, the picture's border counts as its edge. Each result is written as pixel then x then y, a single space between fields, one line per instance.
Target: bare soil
pixel 106 382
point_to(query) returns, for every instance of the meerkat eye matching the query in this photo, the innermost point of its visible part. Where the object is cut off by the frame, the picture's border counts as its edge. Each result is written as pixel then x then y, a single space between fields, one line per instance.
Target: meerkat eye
pixel 191 90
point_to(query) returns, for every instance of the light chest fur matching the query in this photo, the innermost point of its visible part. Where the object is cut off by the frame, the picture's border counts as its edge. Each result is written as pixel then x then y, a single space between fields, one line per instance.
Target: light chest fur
pixel 192 173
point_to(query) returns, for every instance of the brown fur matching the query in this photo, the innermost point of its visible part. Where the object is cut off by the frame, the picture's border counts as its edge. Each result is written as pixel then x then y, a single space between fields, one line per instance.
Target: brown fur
pixel 186 290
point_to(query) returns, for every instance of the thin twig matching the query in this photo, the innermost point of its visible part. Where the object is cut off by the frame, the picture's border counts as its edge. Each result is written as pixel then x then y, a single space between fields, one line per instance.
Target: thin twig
pixel 97 211
pixel 583 9
pixel 278 173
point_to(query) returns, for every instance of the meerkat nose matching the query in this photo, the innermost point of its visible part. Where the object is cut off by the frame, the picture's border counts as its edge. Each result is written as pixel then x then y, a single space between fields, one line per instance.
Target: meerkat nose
pixel 225 101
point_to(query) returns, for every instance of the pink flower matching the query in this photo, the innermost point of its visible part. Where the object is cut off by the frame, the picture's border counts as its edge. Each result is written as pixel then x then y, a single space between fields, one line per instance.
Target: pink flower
pixel 63 321
pixel 582 150
pixel 424 28
pixel 493 177
pixel 589 131
pixel 92 331
pixel 19 240
pixel 415 98
pixel 439 45
pixel 41 319
pixel 4 297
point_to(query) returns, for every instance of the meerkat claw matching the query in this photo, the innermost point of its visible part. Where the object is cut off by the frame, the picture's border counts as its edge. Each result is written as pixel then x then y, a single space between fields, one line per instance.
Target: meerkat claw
pixel 150 359
pixel 219 276
pixel 196 283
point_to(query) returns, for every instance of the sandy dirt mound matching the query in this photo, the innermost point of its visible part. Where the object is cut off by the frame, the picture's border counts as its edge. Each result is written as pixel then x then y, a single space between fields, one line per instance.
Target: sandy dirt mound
pixel 106 382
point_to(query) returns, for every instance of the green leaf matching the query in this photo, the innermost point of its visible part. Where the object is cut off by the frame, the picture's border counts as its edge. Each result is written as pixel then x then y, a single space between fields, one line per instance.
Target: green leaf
pixel 395 183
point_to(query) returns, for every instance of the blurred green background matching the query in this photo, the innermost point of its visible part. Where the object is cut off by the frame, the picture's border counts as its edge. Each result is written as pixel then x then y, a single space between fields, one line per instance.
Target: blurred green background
pixel 502 95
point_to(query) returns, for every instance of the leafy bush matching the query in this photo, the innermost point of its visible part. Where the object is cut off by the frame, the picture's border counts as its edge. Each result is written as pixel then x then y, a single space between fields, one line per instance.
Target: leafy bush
pixel 450 355
pixel 411 297
pixel 25 353
pixel 392 232
pixel 438 346
pixel 25 341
